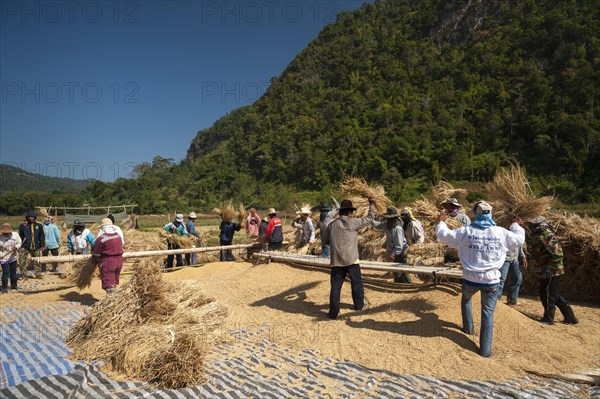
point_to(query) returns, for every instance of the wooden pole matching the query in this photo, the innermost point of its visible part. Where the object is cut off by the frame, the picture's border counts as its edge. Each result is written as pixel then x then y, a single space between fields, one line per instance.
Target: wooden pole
pixel 437 270
pixel 141 254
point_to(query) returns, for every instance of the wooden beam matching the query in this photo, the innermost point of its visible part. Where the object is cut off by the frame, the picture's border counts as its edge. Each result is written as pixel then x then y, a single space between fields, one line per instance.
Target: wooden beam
pixel 142 254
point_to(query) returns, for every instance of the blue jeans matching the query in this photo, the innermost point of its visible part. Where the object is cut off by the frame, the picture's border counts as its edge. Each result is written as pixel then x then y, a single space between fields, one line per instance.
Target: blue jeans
pixel 489 297
pixel 514 270
pixel 325 252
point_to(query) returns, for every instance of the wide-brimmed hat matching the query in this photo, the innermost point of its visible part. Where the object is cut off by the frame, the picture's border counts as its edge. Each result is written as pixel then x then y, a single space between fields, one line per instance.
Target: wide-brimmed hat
pixel 192 215
pixel 482 207
pixel 303 211
pixel 271 211
pixel 325 208
pixel 179 217
pixel 5 229
pixel 106 222
pixel 452 201
pixel 347 204
pixel 391 213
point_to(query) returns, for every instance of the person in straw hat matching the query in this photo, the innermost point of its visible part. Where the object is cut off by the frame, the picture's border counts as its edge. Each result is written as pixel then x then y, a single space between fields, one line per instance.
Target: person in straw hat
pixel 176 227
pixel 52 234
pixel 342 235
pixel 274 233
pixel 395 241
pixel 306 228
pixel 453 209
pixel 547 258
pixel 33 241
pixel 108 252
pixel 192 259
pixel 10 242
pixel 482 248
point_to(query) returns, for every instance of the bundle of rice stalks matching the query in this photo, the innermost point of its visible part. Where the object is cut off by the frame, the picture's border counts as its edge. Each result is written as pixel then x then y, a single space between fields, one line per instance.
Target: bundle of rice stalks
pixel 42 213
pixel 427 211
pixel 181 241
pixel 136 240
pixel 444 190
pixel 427 253
pixel 371 244
pixel 361 193
pixel 226 212
pixel 151 329
pixel 241 215
pixel 513 197
pixel 82 273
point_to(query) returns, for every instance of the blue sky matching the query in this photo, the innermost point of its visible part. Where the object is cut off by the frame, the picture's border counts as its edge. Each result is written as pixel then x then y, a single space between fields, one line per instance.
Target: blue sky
pixel 90 88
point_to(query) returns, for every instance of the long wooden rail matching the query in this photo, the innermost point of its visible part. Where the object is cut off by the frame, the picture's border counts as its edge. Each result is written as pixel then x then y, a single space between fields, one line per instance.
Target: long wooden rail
pixel 311 260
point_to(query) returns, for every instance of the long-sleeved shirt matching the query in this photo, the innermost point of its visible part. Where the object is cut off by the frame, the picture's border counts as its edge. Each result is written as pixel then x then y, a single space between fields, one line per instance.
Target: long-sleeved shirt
pixel 395 242
pixel 227 230
pixel 274 231
pixel 546 252
pixel 9 245
pixel 77 243
pixel 179 230
pixel 191 228
pixel 342 236
pixel 252 222
pixel 481 251
pixel 52 235
pixel 32 235
pixel 307 231
pixel 414 233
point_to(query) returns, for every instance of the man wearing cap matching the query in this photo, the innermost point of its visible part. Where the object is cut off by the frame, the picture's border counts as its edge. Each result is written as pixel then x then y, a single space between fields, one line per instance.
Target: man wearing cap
pixel 304 224
pixel 395 242
pixel 192 259
pixel 79 238
pixel 52 234
pixel 342 236
pixel 453 209
pixel 176 227
pixel 10 242
pixel 482 248
pixel 33 242
pixel 547 258
pixel 274 233
pixel 413 229
pixel 108 252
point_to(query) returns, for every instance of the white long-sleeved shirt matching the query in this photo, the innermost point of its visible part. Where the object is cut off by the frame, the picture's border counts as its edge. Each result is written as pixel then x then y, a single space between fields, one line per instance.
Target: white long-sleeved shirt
pixel 481 252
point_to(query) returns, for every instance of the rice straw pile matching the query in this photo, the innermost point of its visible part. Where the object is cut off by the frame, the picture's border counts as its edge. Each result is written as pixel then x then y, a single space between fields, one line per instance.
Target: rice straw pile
pixel 427 209
pixel 82 272
pixel 579 238
pixel 181 241
pixel 428 254
pixel 513 197
pixel 152 330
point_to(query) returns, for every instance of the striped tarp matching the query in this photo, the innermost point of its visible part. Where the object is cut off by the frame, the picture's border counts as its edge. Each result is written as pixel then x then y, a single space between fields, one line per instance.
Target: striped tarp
pixel 252 364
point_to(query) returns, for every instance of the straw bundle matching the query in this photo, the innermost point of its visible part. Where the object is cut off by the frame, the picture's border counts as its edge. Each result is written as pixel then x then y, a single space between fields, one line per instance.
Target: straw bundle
pixel 444 190
pixel 361 193
pixel 82 273
pixel 427 253
pixel 427 211
pixel 513 197
pixel 152 330
pixel 181 241
pixel 136 240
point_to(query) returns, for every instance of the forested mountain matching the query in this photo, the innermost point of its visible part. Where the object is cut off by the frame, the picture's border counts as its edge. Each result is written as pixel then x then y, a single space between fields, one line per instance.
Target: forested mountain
pixel 13 178
pixel 403 93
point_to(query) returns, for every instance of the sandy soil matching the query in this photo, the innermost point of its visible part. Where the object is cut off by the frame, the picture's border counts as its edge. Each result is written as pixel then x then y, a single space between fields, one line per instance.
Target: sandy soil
pixel 409 329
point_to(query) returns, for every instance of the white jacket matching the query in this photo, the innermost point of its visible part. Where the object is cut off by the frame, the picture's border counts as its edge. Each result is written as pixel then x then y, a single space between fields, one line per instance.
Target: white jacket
pixel 481 252
pixel 9 247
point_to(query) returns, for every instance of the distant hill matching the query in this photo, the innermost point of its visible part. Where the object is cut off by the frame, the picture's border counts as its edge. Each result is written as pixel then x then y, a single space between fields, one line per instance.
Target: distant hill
pixel 12 178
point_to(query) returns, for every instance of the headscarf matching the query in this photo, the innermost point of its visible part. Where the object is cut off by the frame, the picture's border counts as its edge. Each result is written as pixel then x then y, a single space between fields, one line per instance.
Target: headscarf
pixel 483 221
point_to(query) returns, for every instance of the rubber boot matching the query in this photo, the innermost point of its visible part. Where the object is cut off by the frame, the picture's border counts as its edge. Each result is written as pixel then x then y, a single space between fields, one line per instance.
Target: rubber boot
pixel 549 316
pixel 4 286
pixel 569 315
pixel 13 284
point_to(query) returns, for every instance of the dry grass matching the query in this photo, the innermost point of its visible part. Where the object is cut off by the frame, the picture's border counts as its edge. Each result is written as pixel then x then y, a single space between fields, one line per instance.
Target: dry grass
pixel 513 197
pixel 82 272
pixel 360 192
pixel 152 330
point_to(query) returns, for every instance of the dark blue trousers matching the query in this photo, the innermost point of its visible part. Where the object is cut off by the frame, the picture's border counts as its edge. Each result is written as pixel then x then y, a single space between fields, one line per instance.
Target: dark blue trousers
pixel 338 274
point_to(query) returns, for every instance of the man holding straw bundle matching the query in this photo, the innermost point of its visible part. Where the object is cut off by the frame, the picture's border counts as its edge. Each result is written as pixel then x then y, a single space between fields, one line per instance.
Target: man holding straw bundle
pixel 482 248
pixel 342 236
pixel 108 251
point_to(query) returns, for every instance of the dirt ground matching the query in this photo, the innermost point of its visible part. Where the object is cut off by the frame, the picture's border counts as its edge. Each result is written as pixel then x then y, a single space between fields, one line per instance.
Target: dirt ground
pixel 409 329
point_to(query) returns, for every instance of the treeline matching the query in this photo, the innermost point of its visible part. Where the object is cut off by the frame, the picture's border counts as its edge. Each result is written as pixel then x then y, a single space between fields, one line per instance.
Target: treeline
pixel 403 93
